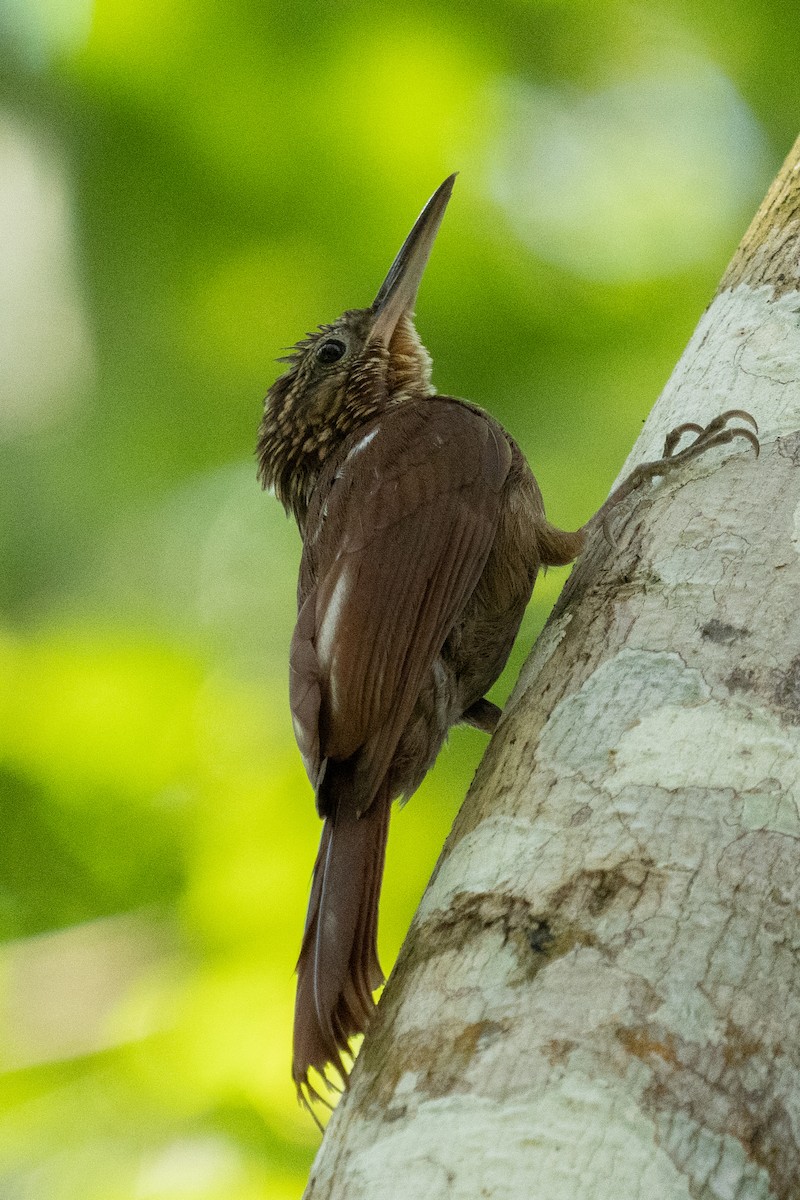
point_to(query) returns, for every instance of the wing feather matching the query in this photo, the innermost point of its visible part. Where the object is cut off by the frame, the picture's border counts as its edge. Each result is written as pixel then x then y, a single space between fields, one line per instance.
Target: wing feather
pixel 396 541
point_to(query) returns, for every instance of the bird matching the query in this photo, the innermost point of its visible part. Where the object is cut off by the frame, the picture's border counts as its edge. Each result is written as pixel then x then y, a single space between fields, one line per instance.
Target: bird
pixel 423 531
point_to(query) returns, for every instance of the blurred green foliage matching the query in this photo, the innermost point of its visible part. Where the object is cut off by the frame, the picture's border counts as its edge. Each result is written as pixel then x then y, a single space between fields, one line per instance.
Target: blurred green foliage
pixel 185 188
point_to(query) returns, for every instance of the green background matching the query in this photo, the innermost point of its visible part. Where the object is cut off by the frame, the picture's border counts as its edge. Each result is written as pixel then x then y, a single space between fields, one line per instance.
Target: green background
pixel 186 187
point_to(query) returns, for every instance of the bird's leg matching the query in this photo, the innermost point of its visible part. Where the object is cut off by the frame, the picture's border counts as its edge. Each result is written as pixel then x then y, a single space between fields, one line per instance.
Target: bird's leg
pixel 482 715
pixel 716 433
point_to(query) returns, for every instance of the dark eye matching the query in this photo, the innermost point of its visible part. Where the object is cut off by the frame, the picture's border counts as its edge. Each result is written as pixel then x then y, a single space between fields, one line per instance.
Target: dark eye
pixel 331 351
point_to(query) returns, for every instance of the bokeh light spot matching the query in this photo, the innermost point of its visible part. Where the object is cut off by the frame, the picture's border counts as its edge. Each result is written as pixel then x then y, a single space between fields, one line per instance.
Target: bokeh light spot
pixel 633 181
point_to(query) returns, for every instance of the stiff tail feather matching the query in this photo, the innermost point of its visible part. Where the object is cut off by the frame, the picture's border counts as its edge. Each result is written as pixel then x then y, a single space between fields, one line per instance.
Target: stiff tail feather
pixel 338 968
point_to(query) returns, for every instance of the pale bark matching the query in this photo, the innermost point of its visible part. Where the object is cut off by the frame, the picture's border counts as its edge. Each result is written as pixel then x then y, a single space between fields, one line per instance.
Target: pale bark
pixel 599 998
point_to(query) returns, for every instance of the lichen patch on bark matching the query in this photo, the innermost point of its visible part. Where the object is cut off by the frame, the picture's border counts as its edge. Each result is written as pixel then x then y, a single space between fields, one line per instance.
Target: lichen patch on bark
pixel 749 748
pixel 588 726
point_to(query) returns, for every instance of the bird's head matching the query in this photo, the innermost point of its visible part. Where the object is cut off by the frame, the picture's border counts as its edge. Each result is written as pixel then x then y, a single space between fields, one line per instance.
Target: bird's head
pixel 346 373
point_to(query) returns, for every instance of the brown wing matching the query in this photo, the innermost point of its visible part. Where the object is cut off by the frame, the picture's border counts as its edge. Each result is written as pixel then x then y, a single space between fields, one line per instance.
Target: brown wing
pixel 394 547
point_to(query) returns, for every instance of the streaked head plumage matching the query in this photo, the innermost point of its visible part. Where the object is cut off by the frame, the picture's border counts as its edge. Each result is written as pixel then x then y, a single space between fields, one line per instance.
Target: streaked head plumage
pixel 346 372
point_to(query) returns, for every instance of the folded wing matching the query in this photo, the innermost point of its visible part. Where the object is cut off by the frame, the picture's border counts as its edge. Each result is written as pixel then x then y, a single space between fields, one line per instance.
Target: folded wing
pixel 396 541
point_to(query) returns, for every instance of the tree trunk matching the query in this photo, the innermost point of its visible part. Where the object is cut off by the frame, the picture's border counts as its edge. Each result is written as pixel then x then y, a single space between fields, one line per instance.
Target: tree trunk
pixel 600 994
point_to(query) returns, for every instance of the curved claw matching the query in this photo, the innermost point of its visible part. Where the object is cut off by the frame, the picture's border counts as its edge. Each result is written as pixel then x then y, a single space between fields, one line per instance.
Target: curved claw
pixel 718 436
pixel 709 435
pixel 675 435
pixel 751 437
pixel 731 414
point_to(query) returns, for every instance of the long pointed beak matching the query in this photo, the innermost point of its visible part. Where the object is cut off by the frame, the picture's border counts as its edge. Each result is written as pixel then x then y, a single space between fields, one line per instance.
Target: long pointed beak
pixel 398 292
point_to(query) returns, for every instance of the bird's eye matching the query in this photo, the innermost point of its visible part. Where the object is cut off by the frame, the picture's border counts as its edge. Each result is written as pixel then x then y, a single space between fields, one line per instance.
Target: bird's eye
pixel 331 351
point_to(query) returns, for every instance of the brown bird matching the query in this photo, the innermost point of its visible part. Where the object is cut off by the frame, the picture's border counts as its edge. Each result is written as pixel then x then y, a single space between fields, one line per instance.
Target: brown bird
pixel 423 531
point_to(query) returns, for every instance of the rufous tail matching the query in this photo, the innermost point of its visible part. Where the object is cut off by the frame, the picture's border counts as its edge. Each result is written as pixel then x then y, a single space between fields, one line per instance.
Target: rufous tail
pixel 338 968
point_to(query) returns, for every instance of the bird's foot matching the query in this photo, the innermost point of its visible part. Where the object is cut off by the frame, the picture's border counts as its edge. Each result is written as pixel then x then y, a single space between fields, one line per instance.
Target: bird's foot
pixel 482 715
pixel 717 433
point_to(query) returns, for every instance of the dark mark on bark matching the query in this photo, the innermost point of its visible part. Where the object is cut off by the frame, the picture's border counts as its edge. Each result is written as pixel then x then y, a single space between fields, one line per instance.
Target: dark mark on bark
pixel 780 689
pixel 439 1058
pixel 474 911
pixel 741 679
pixel 712 1084
pixel 787 693
pixel 558 1050
pixel 593 892
pixel 581 815
pixel 440 1055
pixel 540 937
pixel 789 447
pixel 550 934
pixel 644 1045
pixel 722 633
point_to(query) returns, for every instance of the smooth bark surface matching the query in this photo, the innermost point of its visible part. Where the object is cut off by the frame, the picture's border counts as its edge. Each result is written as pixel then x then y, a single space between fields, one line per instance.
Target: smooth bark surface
pixel 600 994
